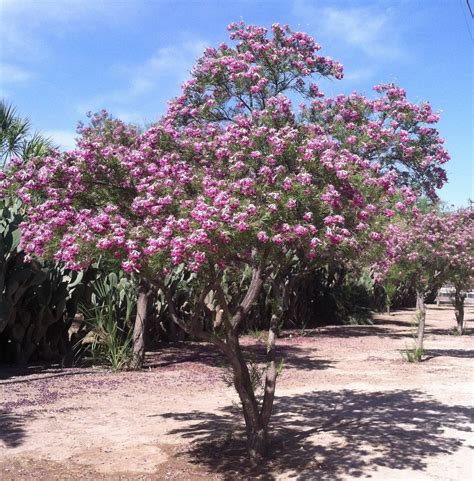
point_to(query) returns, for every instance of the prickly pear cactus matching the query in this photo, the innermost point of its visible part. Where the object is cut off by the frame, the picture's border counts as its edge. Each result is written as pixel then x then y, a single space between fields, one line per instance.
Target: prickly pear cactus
pixel 38 300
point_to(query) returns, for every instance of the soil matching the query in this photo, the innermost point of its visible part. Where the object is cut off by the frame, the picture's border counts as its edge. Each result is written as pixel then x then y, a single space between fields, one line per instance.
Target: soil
pixel 348 406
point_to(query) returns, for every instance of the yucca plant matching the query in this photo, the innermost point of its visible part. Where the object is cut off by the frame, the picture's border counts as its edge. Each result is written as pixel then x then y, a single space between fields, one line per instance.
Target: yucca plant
pixel 109 318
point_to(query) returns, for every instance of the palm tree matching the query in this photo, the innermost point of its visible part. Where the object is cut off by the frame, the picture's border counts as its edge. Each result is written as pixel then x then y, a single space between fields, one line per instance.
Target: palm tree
pixel 15 138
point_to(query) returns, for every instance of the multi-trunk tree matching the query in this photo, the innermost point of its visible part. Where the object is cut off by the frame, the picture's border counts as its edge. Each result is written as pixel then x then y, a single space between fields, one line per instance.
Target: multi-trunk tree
pixel 236 177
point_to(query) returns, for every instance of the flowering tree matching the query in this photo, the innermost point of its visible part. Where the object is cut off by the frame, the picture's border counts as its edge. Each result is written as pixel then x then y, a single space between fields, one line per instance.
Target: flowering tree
pixel 430 250
pixel 458 250
pixel 232 178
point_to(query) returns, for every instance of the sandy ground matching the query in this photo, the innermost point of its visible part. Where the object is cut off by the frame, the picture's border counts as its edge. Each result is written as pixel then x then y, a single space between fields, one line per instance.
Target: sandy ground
pixel 348 407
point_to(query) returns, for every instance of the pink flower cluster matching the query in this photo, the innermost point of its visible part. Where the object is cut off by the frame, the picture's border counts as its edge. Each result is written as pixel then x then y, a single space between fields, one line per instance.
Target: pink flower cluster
pixel 387 132
pixel 232 169
pixel 431 248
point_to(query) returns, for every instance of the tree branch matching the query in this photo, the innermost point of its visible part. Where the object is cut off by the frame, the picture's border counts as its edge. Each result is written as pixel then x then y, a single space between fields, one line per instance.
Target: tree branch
pixel 252 293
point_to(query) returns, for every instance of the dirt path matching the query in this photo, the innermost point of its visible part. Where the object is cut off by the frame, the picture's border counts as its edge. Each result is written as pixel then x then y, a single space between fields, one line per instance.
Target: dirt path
pixel 349 407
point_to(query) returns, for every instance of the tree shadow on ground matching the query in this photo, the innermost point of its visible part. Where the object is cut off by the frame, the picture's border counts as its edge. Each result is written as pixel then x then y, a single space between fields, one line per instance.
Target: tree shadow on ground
pixel 12 370
pixel 460 353
pixel 433 331
pixel 43 372
pixel 168 354
pixel 12 431
pixel 385 327
pixel 392 322
pixel 330 435
pixel 448 306
pixel 379 329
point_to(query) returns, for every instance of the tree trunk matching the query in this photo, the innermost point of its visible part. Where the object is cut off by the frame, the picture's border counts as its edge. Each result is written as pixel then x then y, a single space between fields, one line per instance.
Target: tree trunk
pixel 388 308
pixel 281 293
pixel 172 331
pixel 256 430
pixel 139 328
pixel 257 436
pixel 257 443
pixel 255 427
pixel 420 317
pixel 459 297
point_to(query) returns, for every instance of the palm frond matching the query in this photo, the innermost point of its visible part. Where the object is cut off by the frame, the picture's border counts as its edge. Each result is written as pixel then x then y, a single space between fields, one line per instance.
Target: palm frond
pixel 15 137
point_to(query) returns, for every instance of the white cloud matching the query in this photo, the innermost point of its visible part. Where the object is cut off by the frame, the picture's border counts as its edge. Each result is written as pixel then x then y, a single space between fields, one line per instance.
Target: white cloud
pixel 24 22
pixel 159 75
pixel 368 29
pixel 173 61
pixel 65 139
pixel 12 74
pixel 363 28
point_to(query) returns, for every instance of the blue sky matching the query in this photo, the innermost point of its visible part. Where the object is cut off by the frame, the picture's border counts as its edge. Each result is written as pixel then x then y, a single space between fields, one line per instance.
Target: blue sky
pixel 61 58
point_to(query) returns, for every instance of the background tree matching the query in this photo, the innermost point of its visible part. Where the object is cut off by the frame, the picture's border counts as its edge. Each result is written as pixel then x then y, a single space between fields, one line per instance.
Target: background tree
pixel 429 250
pixel 458 249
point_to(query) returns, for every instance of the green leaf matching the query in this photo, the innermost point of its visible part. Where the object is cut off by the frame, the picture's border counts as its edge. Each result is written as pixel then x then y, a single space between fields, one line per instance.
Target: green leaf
pixel 12 239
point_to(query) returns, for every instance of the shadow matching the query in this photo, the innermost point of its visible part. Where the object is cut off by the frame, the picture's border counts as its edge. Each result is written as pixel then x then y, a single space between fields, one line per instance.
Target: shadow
pixel 449 307
pixel 167 354
pixel 380 328
pixel 385 328
pixel 459 353
pixel 42 372
pixel 175 354
pixel 391 322
pixel 447 332
pixel 329 435
pixel 12 370
pixel 12 432
pixel 445 306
